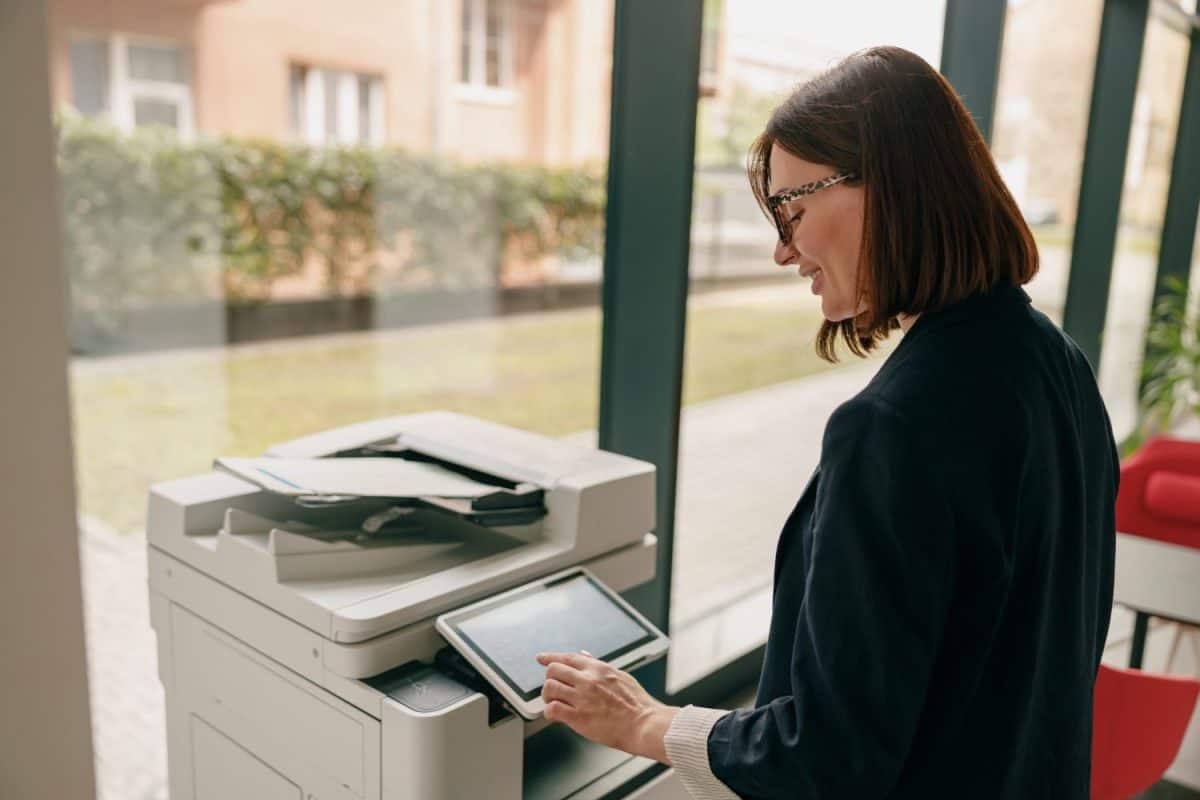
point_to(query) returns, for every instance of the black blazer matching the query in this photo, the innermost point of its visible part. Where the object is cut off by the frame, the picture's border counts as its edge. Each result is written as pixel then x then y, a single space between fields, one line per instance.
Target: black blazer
pixel 943 585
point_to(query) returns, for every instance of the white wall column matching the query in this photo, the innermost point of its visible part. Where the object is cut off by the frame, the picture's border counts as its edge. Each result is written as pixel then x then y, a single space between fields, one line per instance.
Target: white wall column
pixel 45 730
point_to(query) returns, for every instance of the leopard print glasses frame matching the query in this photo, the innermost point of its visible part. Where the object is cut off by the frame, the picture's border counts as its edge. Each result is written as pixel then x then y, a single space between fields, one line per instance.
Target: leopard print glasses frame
pixel 776 201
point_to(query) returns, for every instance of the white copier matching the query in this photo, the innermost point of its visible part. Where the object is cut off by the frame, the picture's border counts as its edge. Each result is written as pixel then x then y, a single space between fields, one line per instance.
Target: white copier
pixel 296 642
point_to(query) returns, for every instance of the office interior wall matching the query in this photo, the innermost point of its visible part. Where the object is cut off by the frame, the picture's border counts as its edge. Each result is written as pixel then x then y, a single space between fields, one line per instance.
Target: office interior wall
pixel 45 735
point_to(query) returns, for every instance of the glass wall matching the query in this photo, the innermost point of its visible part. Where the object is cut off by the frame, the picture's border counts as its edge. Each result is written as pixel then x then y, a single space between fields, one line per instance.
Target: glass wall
pixel 280 217
pixel 1143 205
pixel 756 396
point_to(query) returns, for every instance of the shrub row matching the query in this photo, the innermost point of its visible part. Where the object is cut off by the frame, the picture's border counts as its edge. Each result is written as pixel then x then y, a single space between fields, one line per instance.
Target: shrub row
pixel 149 219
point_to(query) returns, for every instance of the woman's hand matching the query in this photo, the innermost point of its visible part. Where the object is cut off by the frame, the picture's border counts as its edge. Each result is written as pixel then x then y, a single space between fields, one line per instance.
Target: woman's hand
pixel 604 704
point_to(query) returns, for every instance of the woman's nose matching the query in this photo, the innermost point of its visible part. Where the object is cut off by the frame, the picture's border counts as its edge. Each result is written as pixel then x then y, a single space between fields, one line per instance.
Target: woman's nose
pixel 784 254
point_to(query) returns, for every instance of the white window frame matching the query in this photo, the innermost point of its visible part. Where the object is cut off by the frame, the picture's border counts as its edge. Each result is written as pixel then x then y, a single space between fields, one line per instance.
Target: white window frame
pixel 473 86
pixel 314 107
pixel 124 91
pixel 349 84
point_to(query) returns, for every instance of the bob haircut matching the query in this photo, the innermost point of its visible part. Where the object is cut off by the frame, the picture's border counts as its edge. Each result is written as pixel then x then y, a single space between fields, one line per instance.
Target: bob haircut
pixel 939 225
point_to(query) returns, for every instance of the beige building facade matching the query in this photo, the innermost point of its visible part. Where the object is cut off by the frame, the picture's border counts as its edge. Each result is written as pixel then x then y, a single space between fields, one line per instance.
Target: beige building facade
pixel 512 80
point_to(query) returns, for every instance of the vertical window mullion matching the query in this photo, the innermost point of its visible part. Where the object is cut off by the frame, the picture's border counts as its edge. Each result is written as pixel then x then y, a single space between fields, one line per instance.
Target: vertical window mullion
pixel 655 90
pixel 122 99
pixel 1110 118
pixel 314 112
pixel 973 33
pixel 347 109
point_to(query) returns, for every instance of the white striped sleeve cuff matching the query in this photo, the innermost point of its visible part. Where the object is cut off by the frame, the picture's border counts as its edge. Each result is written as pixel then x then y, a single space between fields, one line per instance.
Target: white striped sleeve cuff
pixel 687 749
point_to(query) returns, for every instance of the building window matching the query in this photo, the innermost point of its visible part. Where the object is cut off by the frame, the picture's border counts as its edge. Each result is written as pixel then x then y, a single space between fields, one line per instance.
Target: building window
pixel 132 82
pixel 89 76
pixel 336 107
pixel 486 55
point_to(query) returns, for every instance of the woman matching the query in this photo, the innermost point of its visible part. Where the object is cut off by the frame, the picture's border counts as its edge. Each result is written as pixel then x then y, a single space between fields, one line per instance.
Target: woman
pixel 943 585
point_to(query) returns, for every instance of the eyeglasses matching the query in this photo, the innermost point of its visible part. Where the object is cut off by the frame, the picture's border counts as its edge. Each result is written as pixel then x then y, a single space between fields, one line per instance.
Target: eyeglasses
pixel 776 201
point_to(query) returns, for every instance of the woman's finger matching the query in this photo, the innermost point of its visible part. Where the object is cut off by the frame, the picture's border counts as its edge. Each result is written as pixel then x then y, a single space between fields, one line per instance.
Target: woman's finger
pixel 564 674
pixel 557 690
pixel 576 660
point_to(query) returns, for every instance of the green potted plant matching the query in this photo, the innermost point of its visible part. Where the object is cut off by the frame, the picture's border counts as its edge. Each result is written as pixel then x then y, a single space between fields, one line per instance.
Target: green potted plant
pixel 1169 394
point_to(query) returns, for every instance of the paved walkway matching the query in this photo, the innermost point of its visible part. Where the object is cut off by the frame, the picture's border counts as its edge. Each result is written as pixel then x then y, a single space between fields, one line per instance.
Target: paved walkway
pixel 128 724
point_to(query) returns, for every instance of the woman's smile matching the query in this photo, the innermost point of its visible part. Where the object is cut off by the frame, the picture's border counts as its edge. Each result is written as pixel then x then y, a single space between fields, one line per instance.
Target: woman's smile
pixel 815 274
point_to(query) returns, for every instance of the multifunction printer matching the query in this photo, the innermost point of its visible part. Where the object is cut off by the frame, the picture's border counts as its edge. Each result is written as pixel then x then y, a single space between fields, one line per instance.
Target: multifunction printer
pixel 296 629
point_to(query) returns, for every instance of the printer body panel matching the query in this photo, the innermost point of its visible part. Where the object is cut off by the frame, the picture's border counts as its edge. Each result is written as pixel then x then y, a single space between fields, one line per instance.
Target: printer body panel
pixel 225 689
pixel 452 752
pixel 222 769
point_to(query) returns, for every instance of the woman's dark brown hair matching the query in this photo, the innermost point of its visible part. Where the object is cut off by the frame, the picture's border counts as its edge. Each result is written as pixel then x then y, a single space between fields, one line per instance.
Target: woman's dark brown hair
pixel 939 225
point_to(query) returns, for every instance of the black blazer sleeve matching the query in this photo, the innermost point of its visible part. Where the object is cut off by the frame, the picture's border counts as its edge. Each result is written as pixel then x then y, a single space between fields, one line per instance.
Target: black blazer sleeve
pixel 877 596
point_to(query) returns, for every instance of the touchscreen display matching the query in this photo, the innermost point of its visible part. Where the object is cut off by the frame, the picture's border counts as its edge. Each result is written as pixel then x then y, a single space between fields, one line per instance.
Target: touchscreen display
pixel 562 617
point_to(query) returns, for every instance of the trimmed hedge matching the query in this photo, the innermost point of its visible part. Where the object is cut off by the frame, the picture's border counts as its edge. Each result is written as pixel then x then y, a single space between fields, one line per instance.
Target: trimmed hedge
pixel 151 220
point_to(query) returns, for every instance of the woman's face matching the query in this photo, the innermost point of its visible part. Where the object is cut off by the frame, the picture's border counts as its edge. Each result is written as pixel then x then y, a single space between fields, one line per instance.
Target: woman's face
pixel 826 228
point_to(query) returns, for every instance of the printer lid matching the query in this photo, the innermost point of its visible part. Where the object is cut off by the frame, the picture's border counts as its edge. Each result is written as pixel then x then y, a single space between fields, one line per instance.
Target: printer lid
pixel 486 447
pixel 359 568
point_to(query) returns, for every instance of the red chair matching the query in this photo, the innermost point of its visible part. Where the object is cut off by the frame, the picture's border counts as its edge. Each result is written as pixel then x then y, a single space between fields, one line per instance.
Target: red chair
pixel 1160 492
pixel 1138 724
pixel 1159 498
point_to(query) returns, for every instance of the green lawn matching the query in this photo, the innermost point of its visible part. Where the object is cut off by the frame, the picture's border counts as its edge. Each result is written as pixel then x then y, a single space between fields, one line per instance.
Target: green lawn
pixel 1129 239
pixel 140 419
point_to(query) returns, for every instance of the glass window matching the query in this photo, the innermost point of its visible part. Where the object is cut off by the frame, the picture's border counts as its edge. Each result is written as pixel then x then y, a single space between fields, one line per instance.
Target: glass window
pixel 156 63
pixel 297 106
pixel 756 396
pixel 331 92
pixel 298 265
pixel 132 82
pixel 155 112
pixel 365 88
pixel 155 85
pixel 1042 100
pixel 466 40
pixel 495 27
pixel 486 43
pixel 335 107
pixel 89 76
pixel 1143 205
